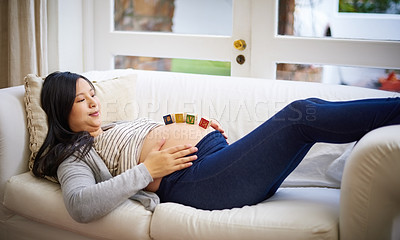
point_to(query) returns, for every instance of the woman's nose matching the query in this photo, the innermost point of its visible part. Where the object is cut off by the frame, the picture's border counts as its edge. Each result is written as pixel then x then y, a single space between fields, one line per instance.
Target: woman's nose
pixel 92 103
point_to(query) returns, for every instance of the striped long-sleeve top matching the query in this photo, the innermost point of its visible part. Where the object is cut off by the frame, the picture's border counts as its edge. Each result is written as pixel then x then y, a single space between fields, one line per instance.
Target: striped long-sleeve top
pixel 120 144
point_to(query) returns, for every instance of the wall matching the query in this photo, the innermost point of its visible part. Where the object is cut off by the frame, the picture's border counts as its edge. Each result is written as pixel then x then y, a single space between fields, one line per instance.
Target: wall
pixel 65 35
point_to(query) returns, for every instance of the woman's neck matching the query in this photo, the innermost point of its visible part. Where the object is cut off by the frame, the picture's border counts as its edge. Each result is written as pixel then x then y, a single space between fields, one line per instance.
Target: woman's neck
pixel 97 132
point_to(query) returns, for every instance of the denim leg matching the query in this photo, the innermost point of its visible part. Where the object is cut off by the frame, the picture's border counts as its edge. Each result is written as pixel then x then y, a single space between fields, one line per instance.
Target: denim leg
pixel 251 169
pixel 374 113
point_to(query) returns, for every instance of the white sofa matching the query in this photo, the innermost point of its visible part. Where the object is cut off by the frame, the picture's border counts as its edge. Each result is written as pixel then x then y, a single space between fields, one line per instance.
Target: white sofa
pixel 313 203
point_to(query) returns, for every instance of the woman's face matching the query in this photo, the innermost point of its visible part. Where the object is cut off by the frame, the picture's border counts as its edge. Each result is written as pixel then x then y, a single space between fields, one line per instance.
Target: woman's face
pixel 85 113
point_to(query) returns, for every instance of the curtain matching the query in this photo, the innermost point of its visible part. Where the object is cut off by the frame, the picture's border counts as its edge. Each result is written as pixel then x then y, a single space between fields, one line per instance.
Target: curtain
pixel 23 48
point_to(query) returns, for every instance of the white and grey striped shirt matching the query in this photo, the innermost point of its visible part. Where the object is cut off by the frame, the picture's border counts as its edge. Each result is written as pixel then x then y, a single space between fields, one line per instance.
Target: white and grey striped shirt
pixel 120 144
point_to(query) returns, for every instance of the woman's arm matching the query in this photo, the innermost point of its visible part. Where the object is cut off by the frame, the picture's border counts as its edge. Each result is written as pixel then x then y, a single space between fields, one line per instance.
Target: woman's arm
pixel 90 191
pixel 87 200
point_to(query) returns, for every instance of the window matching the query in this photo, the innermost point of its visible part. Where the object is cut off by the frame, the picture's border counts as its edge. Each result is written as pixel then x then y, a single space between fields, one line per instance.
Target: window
pixel 375 78
pixel 377 6
pixel 345 19
pixel 207 17
pixel 349 19
pixel 174 16
pixel 174 65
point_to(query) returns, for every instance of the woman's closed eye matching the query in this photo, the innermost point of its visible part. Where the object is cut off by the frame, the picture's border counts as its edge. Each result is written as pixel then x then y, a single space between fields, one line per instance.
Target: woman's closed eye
pixel 81 97
pixel 92 93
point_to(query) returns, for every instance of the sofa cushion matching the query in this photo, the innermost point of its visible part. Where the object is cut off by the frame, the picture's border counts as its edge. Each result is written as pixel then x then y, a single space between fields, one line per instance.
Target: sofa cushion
pixel 292 213
pixel 41 200
pixel 115 94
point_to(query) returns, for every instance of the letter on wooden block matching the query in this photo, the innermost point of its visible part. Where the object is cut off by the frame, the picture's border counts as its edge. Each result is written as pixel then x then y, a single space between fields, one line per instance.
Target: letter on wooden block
pixel 168 119
pixel 190 119
pixel 179 118
pixel 204 123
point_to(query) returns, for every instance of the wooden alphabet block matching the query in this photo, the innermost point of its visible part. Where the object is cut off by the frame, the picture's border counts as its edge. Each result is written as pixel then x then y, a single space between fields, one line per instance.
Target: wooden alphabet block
pixel 179 118
pixel 191 119
pixel 168 119
pixel 204 123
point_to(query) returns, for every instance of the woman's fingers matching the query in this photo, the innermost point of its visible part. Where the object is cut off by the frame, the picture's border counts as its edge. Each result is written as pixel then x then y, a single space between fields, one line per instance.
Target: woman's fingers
pixel 180 148
pixel 159 145
pixel 217 126
pixel 181 153
pixel 184 152
pixel 185 162
pixel 180 158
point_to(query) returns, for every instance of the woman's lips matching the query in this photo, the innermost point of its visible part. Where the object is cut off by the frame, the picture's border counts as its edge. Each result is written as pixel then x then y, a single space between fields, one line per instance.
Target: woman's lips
pixel 95 114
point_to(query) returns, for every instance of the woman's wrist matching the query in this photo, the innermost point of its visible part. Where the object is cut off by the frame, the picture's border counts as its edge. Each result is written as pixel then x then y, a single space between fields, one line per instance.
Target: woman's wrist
pixel 145 172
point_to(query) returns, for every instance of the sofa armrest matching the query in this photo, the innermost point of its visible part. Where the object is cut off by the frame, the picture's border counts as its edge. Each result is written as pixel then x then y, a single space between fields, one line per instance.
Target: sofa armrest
pixel 14 150
pixel 370 191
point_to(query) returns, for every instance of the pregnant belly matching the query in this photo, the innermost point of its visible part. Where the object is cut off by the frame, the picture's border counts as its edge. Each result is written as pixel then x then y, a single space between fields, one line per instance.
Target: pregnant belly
pixel 174 134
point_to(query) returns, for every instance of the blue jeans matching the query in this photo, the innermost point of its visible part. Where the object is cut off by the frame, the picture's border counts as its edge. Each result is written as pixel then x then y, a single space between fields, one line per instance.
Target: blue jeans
pixel 251 169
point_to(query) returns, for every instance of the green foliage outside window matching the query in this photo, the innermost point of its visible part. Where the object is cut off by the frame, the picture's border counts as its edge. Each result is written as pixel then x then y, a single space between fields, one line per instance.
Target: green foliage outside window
pixel 370 6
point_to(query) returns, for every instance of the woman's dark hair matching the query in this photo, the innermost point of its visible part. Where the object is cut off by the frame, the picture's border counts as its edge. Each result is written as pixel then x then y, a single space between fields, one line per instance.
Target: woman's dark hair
pixel 57 98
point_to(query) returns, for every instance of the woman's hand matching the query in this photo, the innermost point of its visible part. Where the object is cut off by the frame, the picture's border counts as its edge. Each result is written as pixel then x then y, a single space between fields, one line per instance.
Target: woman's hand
pixel 217 126
pixel 160 163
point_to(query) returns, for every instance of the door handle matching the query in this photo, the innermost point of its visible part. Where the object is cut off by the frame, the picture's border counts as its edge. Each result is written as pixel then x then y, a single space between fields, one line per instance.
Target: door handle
pixel 240 44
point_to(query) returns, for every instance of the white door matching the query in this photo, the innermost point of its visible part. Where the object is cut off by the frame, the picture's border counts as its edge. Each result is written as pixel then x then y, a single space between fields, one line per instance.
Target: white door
pixel 255 22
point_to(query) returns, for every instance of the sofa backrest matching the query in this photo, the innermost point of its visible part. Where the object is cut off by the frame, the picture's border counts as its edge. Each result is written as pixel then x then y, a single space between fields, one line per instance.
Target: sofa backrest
pixel 241 104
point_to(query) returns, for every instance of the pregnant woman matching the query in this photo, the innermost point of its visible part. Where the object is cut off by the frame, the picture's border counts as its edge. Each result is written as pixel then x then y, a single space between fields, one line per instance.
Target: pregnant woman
pixel 99 167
